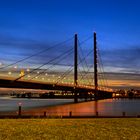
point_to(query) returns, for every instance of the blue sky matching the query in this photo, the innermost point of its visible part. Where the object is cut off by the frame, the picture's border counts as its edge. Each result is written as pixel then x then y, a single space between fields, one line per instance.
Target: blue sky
pixel 52 20
pixel 28 26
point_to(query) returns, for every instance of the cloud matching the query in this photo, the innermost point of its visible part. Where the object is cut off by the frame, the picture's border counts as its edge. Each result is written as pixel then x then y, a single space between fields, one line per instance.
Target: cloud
pixel 13 49
pixel 127 59
pixel 122 80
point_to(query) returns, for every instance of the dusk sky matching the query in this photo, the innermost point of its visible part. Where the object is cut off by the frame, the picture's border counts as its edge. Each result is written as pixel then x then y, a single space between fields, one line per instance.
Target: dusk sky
pixel 28 26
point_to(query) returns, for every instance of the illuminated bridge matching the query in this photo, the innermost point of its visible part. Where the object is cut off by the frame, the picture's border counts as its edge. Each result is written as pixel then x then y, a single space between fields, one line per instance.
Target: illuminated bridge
pixel 63 68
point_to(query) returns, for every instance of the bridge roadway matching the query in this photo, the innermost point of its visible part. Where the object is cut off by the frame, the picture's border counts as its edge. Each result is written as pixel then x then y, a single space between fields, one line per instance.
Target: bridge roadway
pixel 25 84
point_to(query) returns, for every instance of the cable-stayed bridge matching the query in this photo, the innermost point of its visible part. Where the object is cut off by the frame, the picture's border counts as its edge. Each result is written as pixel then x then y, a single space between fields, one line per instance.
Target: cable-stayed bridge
pixel 65 67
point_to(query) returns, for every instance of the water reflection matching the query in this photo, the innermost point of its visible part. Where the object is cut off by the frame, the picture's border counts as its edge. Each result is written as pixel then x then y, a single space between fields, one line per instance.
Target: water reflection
pixel 108 107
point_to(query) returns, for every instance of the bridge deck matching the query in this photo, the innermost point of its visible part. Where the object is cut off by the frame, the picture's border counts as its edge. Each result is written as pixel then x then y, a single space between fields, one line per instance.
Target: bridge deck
pixel 10 83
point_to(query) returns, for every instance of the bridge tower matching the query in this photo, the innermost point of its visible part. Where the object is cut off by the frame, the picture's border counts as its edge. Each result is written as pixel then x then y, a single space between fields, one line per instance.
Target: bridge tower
pixel 75 67
pixel 95 75
pixel 95 67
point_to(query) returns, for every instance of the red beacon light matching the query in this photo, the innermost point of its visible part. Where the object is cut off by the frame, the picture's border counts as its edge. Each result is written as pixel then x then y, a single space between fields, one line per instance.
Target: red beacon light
pixel 19 103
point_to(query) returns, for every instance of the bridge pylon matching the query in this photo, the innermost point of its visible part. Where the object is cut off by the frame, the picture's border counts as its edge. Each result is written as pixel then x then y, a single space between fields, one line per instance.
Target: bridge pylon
pixel 75 67
pixel 95 66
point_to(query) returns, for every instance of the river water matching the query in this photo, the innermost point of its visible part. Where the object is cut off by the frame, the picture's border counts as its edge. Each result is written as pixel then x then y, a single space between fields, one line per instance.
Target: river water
pixel 108 107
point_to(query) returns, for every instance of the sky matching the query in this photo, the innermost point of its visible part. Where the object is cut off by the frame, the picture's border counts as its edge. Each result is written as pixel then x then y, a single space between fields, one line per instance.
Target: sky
pixel 28 26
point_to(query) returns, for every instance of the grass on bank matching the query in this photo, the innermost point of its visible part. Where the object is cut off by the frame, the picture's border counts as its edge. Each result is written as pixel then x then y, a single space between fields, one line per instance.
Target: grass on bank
pixel 70 129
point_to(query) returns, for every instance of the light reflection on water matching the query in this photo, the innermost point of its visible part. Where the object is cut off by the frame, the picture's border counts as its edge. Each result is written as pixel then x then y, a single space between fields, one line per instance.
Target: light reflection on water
pixel 109 107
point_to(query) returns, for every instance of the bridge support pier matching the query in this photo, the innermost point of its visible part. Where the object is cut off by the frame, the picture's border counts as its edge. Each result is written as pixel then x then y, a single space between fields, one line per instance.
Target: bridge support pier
pixel 75 96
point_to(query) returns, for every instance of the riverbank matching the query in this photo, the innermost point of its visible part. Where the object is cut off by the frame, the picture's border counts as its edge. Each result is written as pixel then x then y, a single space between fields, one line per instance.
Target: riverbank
pixel 70 129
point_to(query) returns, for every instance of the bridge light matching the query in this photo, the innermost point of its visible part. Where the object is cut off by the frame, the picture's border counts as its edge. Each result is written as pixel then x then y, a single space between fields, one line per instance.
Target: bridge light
pixel 15 67
pixel 28 70
pixel 9 72
pixel 22 72
pixel 38 72
pixel 46 74
pixel 29 76
pixel 36 77
pixel 43 78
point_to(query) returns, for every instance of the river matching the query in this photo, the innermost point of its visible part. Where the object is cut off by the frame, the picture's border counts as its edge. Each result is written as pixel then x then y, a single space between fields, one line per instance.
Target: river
pixel 108 107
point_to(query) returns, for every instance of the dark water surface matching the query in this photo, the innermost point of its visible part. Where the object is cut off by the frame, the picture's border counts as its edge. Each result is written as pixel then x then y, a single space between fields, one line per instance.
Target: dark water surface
pixel 108 107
